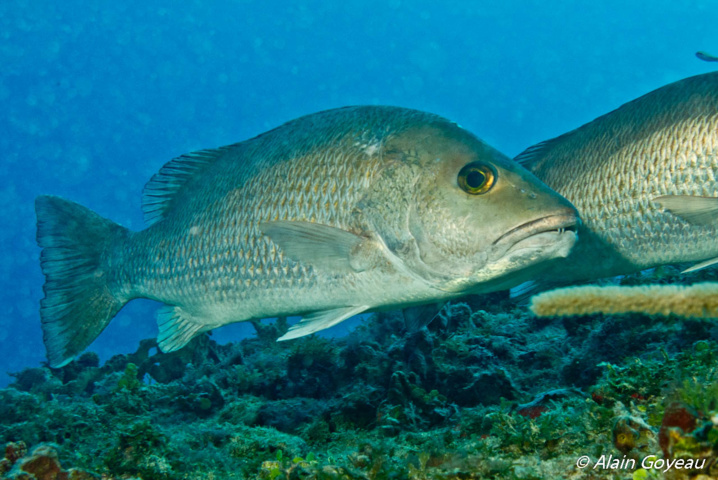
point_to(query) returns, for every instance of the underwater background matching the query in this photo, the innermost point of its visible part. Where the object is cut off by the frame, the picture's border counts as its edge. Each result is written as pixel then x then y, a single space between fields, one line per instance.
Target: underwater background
pixel 97 96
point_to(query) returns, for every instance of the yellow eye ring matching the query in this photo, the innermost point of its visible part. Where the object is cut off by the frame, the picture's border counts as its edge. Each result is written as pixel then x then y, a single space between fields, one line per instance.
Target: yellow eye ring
pixel 476 178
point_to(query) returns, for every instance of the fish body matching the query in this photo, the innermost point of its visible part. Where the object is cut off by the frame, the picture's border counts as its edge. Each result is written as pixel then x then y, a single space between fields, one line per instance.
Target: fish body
pixel 644 179
pixel 706 57
pixel 327 216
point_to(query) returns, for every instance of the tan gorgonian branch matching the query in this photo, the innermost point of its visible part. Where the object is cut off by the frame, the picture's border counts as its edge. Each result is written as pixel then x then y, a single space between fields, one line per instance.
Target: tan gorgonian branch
pixel 695 301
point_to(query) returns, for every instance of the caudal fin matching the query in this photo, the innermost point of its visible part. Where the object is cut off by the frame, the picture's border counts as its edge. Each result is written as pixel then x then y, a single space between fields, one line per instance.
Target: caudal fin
pixel 79 303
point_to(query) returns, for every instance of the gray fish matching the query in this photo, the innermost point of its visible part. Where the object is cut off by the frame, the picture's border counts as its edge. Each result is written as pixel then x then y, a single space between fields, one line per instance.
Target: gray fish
pixel 706 57
pixel 327 216
pixel 644 179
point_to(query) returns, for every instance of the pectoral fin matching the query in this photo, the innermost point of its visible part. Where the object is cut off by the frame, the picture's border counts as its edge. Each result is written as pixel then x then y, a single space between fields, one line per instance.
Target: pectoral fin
pixel 321 320
pixel 318 245
pixel 520 294
pixel 701 265
pixel 693 209
pixel 415 318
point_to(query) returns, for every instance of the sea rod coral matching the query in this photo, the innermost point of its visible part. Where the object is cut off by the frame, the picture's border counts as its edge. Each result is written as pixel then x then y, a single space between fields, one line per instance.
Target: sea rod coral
pixel 694 301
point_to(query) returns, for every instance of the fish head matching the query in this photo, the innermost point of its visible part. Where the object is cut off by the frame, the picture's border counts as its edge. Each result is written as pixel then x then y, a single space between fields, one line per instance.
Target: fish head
pixel 474 221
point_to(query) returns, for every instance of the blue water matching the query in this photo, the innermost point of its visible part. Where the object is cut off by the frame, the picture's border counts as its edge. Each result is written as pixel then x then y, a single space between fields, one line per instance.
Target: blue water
pixel 97 96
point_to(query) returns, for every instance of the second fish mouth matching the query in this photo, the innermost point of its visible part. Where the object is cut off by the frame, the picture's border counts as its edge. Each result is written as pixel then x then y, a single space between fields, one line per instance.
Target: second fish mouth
pixel 558 223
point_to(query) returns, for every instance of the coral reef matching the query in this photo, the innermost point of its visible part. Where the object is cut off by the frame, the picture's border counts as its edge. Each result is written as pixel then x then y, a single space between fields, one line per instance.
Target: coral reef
pixel 486 391
pixel 41 463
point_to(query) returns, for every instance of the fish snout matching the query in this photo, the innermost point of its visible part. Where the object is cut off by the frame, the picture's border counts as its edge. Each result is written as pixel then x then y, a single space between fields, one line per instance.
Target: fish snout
pixel 559 223
pixel 548 199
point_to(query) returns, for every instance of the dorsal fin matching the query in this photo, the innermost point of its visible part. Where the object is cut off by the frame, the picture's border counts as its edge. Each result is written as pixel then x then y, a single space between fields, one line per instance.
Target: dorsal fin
pixel 531 154
pixel 632 118
pixel 163 187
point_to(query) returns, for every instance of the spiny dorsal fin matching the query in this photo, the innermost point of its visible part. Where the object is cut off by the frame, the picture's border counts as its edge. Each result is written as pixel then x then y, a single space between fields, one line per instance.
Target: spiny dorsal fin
pixel 531 154
pixel 162 188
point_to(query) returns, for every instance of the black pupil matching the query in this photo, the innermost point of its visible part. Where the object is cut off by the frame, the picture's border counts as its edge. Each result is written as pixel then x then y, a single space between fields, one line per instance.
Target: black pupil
pixel 475 179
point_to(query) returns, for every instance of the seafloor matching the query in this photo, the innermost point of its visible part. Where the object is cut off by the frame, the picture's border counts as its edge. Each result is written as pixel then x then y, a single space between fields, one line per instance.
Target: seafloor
pixel 487 391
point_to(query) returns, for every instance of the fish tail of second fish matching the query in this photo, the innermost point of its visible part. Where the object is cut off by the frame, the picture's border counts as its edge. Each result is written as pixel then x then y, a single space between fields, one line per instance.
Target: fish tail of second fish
pixel 79 300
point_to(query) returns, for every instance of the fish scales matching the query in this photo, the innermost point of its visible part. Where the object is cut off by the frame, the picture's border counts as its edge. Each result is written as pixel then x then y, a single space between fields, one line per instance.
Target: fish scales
pixel 336 213
pixel 613 169
pixel 246 204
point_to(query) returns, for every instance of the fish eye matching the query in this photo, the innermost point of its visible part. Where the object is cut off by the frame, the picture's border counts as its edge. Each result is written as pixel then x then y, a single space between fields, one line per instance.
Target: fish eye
pixel 476 178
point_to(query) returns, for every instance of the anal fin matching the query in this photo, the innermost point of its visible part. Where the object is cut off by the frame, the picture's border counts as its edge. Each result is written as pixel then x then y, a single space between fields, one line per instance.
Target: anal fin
pixel 176 328
pixel 321 320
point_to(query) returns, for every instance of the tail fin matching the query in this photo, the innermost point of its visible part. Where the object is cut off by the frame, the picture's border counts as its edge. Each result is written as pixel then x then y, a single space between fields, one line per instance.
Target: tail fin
pixel 78 302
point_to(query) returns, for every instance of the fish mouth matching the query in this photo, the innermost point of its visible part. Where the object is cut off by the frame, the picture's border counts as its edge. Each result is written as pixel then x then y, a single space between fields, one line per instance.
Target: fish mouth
pixel 556 223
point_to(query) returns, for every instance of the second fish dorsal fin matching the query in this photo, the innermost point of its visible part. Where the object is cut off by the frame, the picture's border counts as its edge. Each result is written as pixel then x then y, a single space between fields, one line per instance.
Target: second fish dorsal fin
pixel 528 157
pixel 691 208
pixel 163 187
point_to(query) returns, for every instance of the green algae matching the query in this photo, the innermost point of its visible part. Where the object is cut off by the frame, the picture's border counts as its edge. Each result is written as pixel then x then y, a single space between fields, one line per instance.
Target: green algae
pixel 129 380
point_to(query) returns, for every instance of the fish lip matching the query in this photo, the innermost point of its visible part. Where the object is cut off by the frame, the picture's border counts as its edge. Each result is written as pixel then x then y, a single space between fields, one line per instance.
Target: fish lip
pixel 568 220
